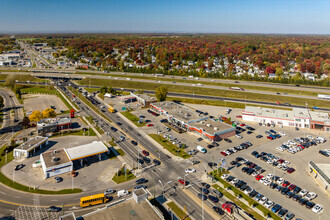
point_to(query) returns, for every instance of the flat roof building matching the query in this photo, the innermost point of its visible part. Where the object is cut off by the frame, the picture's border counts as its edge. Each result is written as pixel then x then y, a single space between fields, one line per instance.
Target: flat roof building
pixel 144 99
pixel 29 148
pixel 321 173
pixel 87 150
pixel 53 124
pixel 298 117
pixel 193 121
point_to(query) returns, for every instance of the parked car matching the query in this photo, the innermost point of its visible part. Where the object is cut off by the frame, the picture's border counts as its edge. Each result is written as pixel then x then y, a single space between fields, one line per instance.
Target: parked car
pixel 58 179
pixel 141 181
pixel 19 166
pixel 317 208
pixel 276 208
pixel 190 170
pixel 53 209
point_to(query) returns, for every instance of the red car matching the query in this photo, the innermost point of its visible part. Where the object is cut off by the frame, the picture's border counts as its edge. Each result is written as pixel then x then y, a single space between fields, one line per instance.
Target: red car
pixel 290 170
pixel 280 161
pixel 270 138
pixel 242 125
pixel 292 187
pixel 238 116
pixel 286 183
pixel 183 182
pixel 145 153
pixel 259 177
pixel 223 153
pixel 149 125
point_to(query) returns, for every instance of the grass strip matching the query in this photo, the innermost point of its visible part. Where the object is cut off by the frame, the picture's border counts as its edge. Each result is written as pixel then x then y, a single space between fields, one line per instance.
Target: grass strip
pixel 210 92
pixel 79 132
pixel 179 212
pixel 90 119
pixel 133 118
pixel 8 182
pixel 173 149
pixel 122 177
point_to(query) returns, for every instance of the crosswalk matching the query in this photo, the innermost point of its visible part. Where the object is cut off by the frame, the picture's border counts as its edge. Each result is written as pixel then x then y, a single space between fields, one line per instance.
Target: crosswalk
pixel 34 212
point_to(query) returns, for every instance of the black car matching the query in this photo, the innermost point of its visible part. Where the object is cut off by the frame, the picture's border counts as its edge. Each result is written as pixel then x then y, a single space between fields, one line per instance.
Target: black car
pixel 201 196
pixel 254 153
pixel 249 132
pixel 140 161
pixel 211 164
pixel 310 205
pixel 134 142
pixel 53 209
pixel 156 162
pixel 273 185
pixel 282 212
pixel 146 159
pixel 253 194
pixel 324 153
pixel 218 210
pixel 207 186
pixel 199 139
pixel 118 123
pixel 296 197
pixel 19 166
pixel 259 136
pixel 141 181
pixel 290 194
pixel 297 190
pixel 213 199
pixel 210 146
pixel 216 144
pixel 303 201
pixel 205 191
pixel 227 140
pixel 195 162
pixel 233 162
pixel 113 129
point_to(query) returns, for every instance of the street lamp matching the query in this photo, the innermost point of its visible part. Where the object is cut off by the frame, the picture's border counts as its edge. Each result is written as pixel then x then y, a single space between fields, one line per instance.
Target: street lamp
pixel 203 203
pixel 6 156
pixel 163 186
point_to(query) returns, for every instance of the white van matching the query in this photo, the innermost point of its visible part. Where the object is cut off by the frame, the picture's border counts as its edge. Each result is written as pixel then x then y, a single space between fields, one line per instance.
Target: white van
pixel 122 193
pixel 201 149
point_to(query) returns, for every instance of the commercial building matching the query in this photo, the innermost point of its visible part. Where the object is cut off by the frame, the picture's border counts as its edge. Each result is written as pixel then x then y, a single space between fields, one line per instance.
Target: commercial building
pixel 127 98
pixel 297 117
pixel 53 124
pixel 144 100
pixel 193 121
pixel 321 174
pixel 30 147
pixel 57 162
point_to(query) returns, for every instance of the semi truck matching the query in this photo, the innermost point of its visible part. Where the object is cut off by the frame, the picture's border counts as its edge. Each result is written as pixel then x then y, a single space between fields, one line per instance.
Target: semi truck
pixel 322 96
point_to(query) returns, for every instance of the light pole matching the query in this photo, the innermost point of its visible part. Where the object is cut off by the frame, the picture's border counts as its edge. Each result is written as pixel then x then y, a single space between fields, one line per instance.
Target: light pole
pixel 13 175
pixel 6 156
pixel 163 186
pixel 203 203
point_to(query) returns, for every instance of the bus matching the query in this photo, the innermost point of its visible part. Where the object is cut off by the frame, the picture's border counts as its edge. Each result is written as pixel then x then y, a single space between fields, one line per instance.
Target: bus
pixel 93 200
pixel 111 109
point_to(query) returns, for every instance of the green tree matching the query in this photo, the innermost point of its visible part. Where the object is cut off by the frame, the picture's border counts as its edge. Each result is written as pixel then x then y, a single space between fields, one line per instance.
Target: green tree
pixel 161 93
pixel 25 122
pixel 10 81
pixel 103 90
pixel 18 93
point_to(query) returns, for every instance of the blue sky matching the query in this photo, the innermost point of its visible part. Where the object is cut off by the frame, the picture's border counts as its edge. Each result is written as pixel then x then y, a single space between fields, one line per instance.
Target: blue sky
pixel 208 16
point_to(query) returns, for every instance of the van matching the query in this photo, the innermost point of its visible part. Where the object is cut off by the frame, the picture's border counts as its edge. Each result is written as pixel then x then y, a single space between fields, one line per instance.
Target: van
pixel 191 76
pixel 201 149
pixel 122 193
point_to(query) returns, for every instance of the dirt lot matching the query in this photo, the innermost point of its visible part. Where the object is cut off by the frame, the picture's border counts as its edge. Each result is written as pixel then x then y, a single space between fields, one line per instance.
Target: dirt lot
pixel 40 102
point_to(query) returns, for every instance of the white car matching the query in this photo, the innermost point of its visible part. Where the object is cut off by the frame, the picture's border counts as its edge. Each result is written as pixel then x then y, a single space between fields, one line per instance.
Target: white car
pixel 303 192
pixel 267 182
pixel 254 174
pixel 238 136
pixel 280 148
pixel 311 196
pixel 263 200
pixel 190 170
pixel 317 208
pixel 269 161
pixel 286 162
pixel 310 137
pixel 269 204
pixel 270 175
pixel 279 166
pixel 248 190
pixel 282 133
pixel 280 181
pixel 224 176
pixel 234 181
pixel 263 179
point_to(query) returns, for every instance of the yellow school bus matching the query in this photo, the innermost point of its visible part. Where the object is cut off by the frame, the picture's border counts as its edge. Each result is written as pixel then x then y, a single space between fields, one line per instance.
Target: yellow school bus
pixel 93 200
pixel 111 109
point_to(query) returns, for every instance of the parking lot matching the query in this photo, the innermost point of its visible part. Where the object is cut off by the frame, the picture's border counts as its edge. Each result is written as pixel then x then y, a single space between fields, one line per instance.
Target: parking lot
pixel 298 161
pixel 40 102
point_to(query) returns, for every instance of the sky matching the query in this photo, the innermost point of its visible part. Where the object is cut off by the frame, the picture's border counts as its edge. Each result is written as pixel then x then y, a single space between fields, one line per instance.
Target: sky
pixel 166 16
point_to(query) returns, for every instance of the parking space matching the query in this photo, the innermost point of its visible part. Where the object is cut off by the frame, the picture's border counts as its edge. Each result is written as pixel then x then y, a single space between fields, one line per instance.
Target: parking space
pixel 33 102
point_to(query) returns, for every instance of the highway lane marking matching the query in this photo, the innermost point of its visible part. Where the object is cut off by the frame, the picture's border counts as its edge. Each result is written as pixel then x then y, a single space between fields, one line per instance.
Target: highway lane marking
pixel 18 204
pixel 54 200
pixel 3 193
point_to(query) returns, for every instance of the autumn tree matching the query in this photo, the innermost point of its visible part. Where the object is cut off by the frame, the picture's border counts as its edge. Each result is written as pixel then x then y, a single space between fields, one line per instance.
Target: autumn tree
pixel 161 93
pixel 35 116
pixel 48 113
pixel 25 122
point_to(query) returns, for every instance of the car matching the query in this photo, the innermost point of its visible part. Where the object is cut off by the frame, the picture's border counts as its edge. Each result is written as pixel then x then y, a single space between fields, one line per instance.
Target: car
pixel 285 190
pixel 134 142
pixel 183 182
pixel 303 201
pixel 311 196
pixel 141 181
pixel 276 208
pixel 279 188
pixel 109 191
pixel 253 194
pixel 207 186
pixel 146 159
pixel 201 196
pixel 74 173
pixel 286 183
pixel 53 209
pixel 269 204
pixel 150 125
pixel 270 138
pixel 282 212
pixel 210 146
pixel 292 187
pixel 296 197
pixel 199 139
pixel 317 208
pixel 258 197
pixel 303 192
pixel 223 153
pixel 118 123
pixel 218 210
pixel 263 200
pixel 297 190
pixel 273 185
pixel 225 176
pixel 259 136
pixel 280 181
pixel 190 170
pixel 290 170
pixel 58 179
pixel 156 162
pixel 113 129
pixel 145 153
pixel 238 116
pixel 282 133
pixel 259 177
pixel 248 190
pixel 310 205
pixel 19 166
pixel 140 161
pixel 140 186
pixel 289 216
pixel 213 199
pixel 290 194
pixel 238 136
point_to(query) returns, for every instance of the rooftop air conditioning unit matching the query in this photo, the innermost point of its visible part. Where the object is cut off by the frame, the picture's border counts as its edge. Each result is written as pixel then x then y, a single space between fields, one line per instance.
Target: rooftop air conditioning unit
pixel 216 128
pixel 208 125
